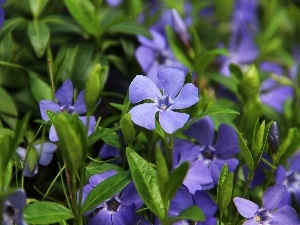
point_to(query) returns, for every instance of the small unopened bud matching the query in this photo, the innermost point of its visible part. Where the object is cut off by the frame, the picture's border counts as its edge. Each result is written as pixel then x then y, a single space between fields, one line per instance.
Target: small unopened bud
pixel 180 28
pixel 274 138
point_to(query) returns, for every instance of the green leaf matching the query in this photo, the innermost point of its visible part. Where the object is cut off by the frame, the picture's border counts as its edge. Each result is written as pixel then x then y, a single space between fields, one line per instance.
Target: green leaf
pixel 109 136
pixel 178 48
pixel 94 86
pixel 31 159
pixel 245 152
pixel 36 6
pixel 129 27
pixel 46 213
pixel 127 128
pixel 7 104
pixel 20 130
pixel 10 24
pixel 225 191
pixel 257 140
pixel 162 174
pixel 39 88
pixel 192 213
pixel 100 167
pixel 39 35
pixel 83 12
pixel 207 57
pixel 175 180
pixel 6 150
pixel 72 139
pixel 105 190
pixel 145 179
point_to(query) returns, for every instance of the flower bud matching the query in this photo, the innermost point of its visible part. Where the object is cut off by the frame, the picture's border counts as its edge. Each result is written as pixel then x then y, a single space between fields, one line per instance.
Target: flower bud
pixel 274 138
pixel 250 83
pixel 180 28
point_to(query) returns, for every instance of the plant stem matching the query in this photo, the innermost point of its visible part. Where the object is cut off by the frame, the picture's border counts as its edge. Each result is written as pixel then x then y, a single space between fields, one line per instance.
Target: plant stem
pixel 169 144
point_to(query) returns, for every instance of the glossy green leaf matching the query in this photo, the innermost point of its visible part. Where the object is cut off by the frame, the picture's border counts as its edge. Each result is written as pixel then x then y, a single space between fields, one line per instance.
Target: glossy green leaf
pixel 37 6
pixel 31 159
pixel 225 192
pixel 105 190
pixel 7 104
pixel 83 12
pixel 162 173
pixel 129 27
pixel 175 180
pixel 39 35
pixel 10 24
pixel 192 213
pixel 46 213
pixel 94 86
pixel 127 128
pixel 109 136
pixel 257 139
pixel 146 182
pixel 72 139
pixel 6 150
pixel 100 167
pixel 178 48
pixel 39 88
pixel 245 152
pixel 207 57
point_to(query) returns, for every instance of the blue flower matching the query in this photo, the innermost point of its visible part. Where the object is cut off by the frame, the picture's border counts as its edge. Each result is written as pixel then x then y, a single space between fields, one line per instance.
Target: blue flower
pixel 291 178
pixel 268 213
pixel 155 54
pixel 64 96
pixel 119 209
pixel 45 154
pixel 176 95
pixel 12 209
pixel 211 155
pixel 1 13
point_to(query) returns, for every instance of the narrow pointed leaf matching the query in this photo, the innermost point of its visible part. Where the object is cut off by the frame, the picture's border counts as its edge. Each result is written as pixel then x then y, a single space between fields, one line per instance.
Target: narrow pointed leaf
pixel 39 35
pixel 245 152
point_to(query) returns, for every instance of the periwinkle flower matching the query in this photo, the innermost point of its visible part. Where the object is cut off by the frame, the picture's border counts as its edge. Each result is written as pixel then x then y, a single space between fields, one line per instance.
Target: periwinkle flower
pixel 205 152
pixel 64 96
pixel 175 95
pixel 272 93
pixel 180 28
pixel 183 199
pixel 12 209
pixel 269 213
pixel 113 3
pixel 242 51
pixel 119 209
pixel 44 153
pixel 155 54
pixel 291 178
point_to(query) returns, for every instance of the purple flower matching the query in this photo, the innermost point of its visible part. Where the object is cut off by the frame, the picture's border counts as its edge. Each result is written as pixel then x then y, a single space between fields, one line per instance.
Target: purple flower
pixel 44 153
pixel 1 13
pixel 176 95
pixel 242 51
pixel 12 209
pixel 211 155
pixel 119 209
pixel 291 178
pixel 155 54
pixel 268 213
pixel 180 28
pixel 183 199
pixel 113 3
pixel 64 96
pixel 273 93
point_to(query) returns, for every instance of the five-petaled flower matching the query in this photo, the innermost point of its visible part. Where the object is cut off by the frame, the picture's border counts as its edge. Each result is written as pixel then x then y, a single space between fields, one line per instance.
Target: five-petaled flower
pixel 64 96
pixel 12 209
pixel 268 213
pixel 176 95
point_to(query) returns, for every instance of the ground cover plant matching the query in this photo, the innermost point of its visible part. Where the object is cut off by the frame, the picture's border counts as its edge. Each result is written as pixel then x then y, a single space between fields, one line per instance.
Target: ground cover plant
pixel 124 112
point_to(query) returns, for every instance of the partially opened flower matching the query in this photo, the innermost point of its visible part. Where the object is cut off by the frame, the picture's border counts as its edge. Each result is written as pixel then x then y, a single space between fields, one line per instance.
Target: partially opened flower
pixel 291 178
pixel 175 95
pixel 119 209
pixel 44 153
pixel 268 213
pixel 64 96
pixel 213 156
pixel 12 209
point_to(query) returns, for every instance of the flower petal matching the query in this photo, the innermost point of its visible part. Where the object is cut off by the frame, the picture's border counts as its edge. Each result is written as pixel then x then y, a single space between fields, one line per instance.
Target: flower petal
pixel 187 97
pixel 158 41
pixel 53 134
pixel 98 178
pixel 130 196
pixel 206 204
pixel 182 200
pixel 142 88
pixel 79 105
pixel 172 81
pixel 285 215
pixel 145 56
pixel 103 217
pixel 203 131
pixel 184 151
pixel 171 121
pixel 273 196
pixel 48 105
pixel 245 207
pixel 144 115
pixel 45 151
pixel 17 200
pixel 65 93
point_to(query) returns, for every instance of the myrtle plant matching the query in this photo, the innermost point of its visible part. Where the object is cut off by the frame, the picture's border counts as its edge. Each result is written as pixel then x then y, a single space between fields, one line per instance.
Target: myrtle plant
pixel 149 112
